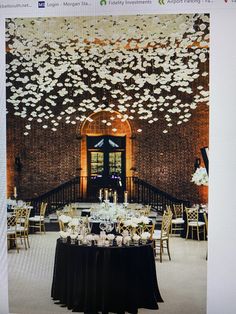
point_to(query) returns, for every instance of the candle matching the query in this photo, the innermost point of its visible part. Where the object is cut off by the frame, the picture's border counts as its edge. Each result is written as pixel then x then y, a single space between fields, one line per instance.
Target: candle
pixel 15 192
pixel 106 194
pixel 125 197
pixel 100 193
pixel 115 197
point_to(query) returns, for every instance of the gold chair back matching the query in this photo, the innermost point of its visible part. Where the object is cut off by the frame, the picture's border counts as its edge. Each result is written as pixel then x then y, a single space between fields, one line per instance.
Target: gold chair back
pixel 61 223
pixel 42 210
pixel 206 221
pixel 192 214
pixel 178 210
pixel 22 228
pixel 146 228
pixel 22 215
pixel 169 209
pixel 11 221
pixel 145 211
pixel 166 224
pixel 121 227
pixel 11 226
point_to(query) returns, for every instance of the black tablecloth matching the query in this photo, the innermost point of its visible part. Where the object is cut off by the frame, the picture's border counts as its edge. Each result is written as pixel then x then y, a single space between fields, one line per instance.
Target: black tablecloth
pixel 108 279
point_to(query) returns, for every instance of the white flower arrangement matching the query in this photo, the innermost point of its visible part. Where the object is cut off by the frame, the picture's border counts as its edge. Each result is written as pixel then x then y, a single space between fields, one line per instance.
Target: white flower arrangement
pixel 89 237
pixel 136 237
pixel 200 176
pixel 142 220
pixel 80 237
pixel 74 222
pixel 73 236
pixel 65 219
pixel 119 238
pixel 111 237
pixel 127 239
pixel 64 234
pixel 130 223
pixel 145 235
pixel 125 233
pixel 96 237
pixel 137 221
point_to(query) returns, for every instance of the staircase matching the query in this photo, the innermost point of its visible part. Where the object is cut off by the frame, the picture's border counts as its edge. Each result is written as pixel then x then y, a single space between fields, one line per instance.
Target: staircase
pixel 74 190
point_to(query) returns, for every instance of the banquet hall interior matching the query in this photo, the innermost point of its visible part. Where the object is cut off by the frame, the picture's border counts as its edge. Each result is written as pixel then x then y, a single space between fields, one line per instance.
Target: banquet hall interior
pixel 107 132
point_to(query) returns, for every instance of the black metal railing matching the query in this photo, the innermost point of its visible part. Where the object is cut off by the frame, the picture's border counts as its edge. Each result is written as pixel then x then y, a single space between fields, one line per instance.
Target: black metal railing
pixel 68 192
pixel 142 192
pixel 75 190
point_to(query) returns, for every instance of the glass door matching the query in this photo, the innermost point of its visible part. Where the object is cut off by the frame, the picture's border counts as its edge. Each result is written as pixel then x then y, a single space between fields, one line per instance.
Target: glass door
pixel 115 164
pixel 96 164
pixel 106 163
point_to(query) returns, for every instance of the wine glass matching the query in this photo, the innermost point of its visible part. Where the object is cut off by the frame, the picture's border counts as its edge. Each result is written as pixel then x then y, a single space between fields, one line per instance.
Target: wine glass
pixel 89 226
pixel 110 226
pixel 103 225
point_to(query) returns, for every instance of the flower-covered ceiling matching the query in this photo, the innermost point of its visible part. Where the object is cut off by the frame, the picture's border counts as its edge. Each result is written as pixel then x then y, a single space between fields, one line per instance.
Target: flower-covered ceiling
pixel 152 68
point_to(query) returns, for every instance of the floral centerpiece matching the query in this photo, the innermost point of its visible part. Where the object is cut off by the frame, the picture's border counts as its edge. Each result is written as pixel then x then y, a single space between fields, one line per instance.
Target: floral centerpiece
pixel 137 221
pixel 136 239
pixel 145 236
pixel 200 176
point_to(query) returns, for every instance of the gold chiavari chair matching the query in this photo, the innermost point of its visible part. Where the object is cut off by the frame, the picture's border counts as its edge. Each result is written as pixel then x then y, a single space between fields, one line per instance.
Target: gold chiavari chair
pixel 145 210
pixel 177 224
pixel 22 228
pixel 70 213
pixel 161 237
pixel 62 225
pixel 121 227
pixel 11 230
pixel 194 223
pixel 206 223
pixel 38 222
pixel 146 228
pixel 72 210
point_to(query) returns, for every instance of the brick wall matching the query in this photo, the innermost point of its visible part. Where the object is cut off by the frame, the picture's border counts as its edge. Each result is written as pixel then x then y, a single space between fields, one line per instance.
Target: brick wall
pixel 167 160
pixel 50 158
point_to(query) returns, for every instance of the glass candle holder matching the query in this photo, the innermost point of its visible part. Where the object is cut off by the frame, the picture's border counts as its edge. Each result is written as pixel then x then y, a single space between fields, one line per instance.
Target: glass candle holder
pixel 144 241
pixel 64 240
pixel 72 240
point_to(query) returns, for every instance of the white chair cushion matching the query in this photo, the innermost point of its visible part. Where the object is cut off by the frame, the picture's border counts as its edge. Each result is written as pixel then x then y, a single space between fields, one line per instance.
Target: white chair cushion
pixel 177 221
pixel 152 215
pixel 156 235
pixel 196 223
pixel 11 230
pixel 20 228
pixel 36 218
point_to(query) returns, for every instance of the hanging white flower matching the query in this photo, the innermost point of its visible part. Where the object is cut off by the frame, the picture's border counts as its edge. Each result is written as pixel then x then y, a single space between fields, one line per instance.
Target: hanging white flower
pixel 200 176
pixel 141 64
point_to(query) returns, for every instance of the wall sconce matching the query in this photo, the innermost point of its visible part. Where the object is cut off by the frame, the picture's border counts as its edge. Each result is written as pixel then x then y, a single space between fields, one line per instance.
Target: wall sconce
pixel 18 164
pixel 197 163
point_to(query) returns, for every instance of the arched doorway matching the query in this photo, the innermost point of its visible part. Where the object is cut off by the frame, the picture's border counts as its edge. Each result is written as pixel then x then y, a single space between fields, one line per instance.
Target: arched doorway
pixel 106 153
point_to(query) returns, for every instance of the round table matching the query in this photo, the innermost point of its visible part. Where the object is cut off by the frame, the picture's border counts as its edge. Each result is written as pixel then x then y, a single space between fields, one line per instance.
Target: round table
pixel 107 279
